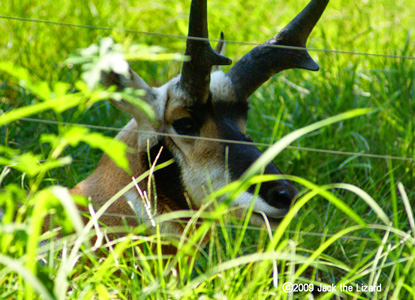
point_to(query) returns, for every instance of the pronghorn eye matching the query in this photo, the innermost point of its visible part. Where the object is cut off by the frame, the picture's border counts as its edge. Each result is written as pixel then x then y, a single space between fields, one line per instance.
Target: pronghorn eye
pixel 185 126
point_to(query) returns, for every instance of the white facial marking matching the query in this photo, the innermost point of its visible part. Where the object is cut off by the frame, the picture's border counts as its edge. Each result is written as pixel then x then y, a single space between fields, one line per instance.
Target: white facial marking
pixel 201 180
pixel 147 130
pixel 246 199
pixel 159 104
pixel 175 92
pixel 221 86
pixel 136 204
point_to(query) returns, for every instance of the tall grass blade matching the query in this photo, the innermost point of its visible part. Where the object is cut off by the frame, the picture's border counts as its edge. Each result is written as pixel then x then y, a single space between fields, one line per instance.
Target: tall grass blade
pixel 409 210
pixel 281 144
pixel 35 282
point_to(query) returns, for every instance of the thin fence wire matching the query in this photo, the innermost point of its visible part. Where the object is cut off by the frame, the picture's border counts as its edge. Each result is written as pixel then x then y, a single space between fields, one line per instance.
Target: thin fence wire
pixel 259 228
pixel 262 228
pixel 298 148
pixel 166 35
pixel 325 151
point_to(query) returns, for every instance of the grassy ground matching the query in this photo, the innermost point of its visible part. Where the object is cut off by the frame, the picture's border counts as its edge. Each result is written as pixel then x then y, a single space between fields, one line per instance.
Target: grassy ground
pixel 370 254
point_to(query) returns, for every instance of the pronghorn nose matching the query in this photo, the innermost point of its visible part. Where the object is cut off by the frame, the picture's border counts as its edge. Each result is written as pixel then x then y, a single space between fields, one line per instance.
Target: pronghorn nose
pixel 278 194
pixel 282 196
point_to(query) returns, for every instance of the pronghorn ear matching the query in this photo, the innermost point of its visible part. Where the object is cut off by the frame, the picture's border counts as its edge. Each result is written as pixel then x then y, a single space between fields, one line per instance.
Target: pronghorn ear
pixel 220 48
pixel 135 82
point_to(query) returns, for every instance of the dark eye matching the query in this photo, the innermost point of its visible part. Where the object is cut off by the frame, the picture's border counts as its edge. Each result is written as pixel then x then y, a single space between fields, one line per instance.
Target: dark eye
pixel 186 126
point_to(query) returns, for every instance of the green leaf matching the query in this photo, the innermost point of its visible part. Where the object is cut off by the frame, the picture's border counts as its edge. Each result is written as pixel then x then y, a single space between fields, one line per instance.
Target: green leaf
pixel 49 138
pixel 8 151
pixel 55 163
pixel 143 52
pixel 114 148
pixel 60 89
pixel 27 163
pixel 106 56
pixel 74 135
pixel 40 89
pixel 59 104
pixel 17 72
pixel 30 163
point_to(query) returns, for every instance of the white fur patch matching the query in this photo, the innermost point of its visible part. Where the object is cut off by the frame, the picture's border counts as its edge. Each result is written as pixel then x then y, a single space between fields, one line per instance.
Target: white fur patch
pixel 159 105
pixel 245 200
pixel 136 204
pixel 221 87
pixel 201 180
pixel 147 133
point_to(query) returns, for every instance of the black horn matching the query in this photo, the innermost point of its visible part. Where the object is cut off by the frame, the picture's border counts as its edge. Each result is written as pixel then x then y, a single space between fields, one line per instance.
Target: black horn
pixel 195 78
pixel 258 65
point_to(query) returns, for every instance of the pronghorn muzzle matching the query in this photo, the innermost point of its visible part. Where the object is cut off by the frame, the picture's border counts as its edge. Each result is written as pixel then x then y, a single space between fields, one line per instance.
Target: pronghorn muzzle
pixel 274 197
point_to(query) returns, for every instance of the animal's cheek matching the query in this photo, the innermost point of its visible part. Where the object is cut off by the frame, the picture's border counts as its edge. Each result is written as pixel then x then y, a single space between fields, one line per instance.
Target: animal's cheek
pixel 202 180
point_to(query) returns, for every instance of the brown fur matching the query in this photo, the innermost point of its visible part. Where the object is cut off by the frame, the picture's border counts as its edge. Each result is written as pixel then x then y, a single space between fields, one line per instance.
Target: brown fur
pixel 108 179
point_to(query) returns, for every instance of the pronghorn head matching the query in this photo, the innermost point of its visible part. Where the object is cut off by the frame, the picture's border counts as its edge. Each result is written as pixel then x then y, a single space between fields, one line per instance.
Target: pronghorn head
pixel 199 106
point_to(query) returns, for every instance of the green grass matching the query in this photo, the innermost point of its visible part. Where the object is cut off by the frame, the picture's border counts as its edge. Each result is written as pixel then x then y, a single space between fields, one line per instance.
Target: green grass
pixel 324 242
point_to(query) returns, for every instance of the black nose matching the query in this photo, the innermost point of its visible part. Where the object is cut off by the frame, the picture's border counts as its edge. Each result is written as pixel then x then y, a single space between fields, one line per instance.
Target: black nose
pixel 282 197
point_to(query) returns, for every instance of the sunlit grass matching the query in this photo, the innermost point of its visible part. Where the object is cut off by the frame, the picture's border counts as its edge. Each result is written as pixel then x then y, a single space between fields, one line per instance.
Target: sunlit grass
pixel 353 224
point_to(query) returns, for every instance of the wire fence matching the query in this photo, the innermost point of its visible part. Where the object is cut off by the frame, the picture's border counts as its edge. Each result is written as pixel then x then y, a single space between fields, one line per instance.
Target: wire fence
pixel 259 228
pixel 325 151
pixel 297 148
pixel 166 35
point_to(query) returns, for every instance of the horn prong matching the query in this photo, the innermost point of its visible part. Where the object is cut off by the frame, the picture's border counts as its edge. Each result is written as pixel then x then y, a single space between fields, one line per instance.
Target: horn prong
pixel 258 65
pixel 195 78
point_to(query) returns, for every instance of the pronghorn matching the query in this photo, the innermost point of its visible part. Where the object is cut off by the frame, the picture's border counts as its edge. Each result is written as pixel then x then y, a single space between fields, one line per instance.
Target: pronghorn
pixel 201 103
